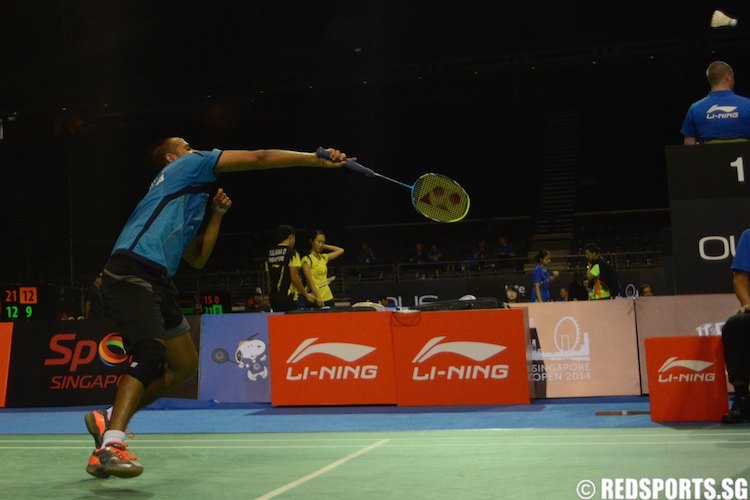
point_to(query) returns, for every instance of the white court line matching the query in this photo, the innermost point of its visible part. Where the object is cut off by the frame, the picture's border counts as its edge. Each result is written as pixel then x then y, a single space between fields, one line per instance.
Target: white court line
pixel 329 467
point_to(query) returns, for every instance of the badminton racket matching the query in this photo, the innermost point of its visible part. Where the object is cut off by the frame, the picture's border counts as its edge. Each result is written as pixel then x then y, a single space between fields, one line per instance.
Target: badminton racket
pixel 435 196
pixel 327 282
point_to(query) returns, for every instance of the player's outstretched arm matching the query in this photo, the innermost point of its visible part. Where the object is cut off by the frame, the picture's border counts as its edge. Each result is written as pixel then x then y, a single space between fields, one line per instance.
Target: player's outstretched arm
pixel 237 160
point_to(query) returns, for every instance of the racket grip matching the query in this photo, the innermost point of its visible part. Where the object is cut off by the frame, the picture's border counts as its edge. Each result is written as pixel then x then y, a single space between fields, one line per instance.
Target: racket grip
pixel 351 164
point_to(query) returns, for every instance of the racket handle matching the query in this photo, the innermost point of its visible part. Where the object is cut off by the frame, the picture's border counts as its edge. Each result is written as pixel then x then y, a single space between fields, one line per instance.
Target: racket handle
pixel 322 153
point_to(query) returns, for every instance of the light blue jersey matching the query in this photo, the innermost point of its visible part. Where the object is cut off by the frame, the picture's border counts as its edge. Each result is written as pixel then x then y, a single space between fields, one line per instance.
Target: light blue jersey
pixel 722 114
pixel 169 217
pixel 742 253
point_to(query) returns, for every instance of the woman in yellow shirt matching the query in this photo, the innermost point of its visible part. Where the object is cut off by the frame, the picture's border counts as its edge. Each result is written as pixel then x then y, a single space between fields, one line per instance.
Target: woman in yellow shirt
pixel 315 268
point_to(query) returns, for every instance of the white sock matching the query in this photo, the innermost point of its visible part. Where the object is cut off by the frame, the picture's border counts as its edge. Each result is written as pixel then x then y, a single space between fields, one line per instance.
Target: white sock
pixel 110 436
pixel 109 413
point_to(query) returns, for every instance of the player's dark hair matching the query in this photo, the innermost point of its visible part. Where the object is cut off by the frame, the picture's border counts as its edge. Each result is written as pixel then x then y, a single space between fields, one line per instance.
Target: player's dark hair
pixel 283 231
pixel 591 247
pixel 542 254
pixel 158 152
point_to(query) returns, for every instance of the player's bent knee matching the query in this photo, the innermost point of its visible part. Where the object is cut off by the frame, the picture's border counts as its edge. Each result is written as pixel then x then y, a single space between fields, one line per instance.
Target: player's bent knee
pixel 186 369
pixel 148 358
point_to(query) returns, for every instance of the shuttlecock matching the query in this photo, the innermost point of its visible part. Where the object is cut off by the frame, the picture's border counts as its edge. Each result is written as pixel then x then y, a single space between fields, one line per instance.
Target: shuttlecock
pixel 719 19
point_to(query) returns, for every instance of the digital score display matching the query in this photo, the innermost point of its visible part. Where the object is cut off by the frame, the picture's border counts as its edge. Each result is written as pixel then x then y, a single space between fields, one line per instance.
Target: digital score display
pixel 19 303
pixel 216 302
pixel 205 302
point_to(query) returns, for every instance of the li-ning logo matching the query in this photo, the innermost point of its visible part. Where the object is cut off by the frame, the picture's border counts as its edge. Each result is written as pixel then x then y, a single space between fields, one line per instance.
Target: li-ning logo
pixel 476 351
pixel 341 350
pixel 696 366
pixel 723 112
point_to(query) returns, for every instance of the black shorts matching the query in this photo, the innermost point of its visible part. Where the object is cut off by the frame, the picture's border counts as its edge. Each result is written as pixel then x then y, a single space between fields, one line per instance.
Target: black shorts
pixel 141 301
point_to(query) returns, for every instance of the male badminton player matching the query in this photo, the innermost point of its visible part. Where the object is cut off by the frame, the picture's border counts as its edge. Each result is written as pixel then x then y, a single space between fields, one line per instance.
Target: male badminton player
pixel 139 294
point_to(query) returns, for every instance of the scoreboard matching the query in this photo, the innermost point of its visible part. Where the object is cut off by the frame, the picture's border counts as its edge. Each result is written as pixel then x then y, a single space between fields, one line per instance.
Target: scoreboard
pixel 709 199
pixel 216 302
pixel 205 302
pixel 19 303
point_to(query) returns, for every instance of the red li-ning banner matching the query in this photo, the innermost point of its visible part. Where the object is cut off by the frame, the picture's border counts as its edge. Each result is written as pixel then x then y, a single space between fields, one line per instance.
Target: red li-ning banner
pixel 686 378
pixel 461 357
pixel 340 358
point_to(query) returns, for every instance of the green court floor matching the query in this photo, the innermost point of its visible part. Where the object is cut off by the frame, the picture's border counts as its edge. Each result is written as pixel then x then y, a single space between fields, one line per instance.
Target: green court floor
pixel 455 464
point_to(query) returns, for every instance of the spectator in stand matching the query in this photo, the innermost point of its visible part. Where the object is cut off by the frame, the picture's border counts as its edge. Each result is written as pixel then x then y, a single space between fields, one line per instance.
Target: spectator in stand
pixel 479 254
pixel 467 262
pixel 365 258
pixel 434 255
pixel 257 303
pixel 435 259
pixel 418 258
pixel 564 295
pixel 576 288
pixel 646 290
pixel 505 253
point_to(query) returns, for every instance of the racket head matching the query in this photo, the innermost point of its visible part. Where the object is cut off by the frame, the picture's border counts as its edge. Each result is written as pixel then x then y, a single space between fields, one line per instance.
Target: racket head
pixel 440 198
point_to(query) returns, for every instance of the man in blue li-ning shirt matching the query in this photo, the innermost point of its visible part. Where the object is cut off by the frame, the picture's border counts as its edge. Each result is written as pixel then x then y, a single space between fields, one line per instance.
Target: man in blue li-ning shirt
pixel 166 226
pixel 721 116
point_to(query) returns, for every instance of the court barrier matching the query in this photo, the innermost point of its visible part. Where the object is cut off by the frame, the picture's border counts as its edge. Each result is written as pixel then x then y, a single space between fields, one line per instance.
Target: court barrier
pixel 503 356
pixel 687 379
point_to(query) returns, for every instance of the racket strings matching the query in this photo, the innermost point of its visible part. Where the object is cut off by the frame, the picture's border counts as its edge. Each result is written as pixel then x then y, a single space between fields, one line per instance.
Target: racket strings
pixel 440 198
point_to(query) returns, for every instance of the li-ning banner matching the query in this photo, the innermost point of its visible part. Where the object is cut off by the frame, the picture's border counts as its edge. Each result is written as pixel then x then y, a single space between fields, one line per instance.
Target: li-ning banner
pixel 64 363
pixel 332 359
pixel 687 377
pixel 461 357
pixel 234 360
pixel 709 186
